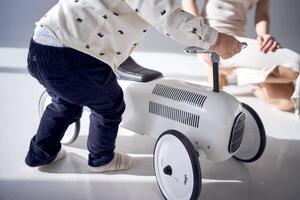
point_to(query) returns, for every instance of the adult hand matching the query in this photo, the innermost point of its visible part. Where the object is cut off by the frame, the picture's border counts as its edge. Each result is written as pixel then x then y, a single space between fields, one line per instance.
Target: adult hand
pixel 226 46
pixel 267 43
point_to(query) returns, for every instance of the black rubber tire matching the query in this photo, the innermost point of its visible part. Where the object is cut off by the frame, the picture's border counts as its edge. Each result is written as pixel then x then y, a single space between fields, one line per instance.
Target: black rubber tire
pixel 77 124
pixel 194 160
pixel 262 133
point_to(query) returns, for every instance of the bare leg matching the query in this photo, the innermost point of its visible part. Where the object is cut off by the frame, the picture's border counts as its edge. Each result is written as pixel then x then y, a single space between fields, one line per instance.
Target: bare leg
pixel 278 88
pixel 278 95
pixel 282 75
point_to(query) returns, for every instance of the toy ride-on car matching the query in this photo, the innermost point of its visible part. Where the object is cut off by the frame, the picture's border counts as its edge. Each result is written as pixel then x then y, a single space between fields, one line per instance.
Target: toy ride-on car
pixel 187 119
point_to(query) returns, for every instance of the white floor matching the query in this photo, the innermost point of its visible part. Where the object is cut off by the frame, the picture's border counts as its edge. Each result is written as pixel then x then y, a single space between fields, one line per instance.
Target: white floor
pixel 276 176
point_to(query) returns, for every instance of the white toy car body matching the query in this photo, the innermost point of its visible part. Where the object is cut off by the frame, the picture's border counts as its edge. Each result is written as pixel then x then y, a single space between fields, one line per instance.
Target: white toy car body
pixel 207 118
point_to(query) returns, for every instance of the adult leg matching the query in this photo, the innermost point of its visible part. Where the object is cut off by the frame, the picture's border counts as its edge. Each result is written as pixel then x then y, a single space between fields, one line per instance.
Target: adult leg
pixel 273 71
pixel 278 88
pixel 282 75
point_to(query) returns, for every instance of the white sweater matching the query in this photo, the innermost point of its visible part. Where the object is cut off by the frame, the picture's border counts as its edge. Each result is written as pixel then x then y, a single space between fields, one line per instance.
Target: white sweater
pixel 109 30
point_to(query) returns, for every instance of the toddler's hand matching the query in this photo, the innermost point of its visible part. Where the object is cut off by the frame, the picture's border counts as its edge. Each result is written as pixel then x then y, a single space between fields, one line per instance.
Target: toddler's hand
pixel 226 46
pixel 267 43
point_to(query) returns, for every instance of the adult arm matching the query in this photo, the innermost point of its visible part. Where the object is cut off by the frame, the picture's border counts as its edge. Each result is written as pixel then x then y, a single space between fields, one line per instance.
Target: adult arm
pixel 262 26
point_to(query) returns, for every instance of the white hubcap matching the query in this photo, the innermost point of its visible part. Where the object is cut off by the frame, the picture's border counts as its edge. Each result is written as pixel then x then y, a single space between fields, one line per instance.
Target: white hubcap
pixel 173 167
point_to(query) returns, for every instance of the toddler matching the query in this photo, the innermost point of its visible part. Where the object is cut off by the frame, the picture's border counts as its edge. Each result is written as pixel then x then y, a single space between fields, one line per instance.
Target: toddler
pixel 74 53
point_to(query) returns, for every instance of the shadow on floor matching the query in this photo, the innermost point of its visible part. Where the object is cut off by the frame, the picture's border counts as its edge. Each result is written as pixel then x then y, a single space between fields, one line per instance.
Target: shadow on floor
pixel 76 164
pixel 224 180
pixel 133 144
pixel 142 163
pixel 13 70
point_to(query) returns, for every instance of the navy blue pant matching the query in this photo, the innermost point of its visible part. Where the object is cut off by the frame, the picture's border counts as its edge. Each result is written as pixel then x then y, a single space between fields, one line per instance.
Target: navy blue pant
pixel 73 80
